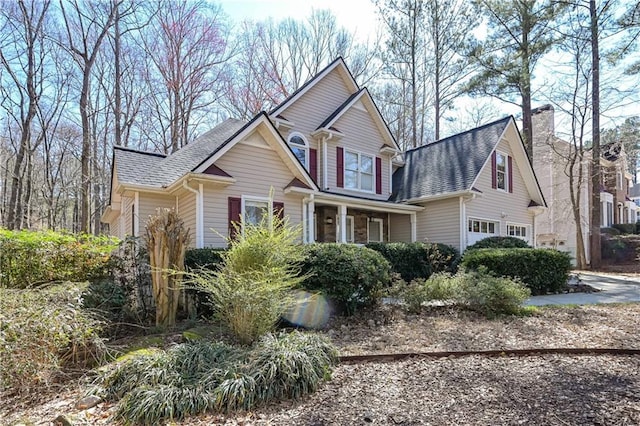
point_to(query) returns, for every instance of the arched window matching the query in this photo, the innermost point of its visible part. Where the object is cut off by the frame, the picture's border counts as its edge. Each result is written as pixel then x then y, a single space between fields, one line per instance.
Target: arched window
pixel 300 148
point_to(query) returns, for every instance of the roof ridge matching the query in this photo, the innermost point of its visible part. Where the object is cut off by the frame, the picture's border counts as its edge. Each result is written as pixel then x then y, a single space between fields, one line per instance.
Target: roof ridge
pixel 493 123
pixel 137 151
pixel 342 107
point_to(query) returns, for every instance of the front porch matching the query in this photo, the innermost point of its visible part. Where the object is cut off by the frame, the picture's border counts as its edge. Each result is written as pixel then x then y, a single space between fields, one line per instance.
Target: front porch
pixel 331 218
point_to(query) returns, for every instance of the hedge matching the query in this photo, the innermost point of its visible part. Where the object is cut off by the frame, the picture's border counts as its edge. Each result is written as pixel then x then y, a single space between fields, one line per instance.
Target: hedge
pixel 499 242
pixel 351 276
pixel 33 257
pixel 625 228
pixel 418 260
pixel 542 270
pixel 620 248
pixel 208 258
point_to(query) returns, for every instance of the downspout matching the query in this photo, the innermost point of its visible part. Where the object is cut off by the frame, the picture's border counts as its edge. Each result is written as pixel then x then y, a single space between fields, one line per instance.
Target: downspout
pixel 463 215
pixel 198 194
pixel 324 163
pixel 311 238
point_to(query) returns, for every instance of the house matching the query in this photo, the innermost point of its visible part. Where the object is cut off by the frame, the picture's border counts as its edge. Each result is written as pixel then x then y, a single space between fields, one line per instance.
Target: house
pixel 634 195
pixel 556 227
pixel 335 168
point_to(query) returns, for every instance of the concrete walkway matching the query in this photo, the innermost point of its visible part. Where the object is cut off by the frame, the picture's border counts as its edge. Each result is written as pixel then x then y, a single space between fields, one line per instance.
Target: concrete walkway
pixel 615 289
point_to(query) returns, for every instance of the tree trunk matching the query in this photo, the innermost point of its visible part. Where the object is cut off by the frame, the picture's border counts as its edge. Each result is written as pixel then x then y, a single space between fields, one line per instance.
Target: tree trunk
pixel 596 254
pixel 85 156
pixel 117 107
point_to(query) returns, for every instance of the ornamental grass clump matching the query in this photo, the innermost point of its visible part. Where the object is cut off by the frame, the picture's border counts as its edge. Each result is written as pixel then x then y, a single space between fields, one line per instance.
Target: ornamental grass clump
pixel 194 378
pixel 250 290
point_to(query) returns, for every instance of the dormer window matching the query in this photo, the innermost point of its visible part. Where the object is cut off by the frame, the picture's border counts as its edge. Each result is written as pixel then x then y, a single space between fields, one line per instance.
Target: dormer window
pixel 300 148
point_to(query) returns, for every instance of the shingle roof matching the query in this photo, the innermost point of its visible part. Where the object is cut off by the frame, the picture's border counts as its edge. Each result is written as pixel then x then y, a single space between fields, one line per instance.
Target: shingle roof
pixel 132 165
pixel 634 191
pixel 447 165
pixel 167 170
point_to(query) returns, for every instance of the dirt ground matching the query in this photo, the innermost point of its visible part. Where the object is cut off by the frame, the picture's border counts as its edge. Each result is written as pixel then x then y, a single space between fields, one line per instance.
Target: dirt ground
pixel 471 390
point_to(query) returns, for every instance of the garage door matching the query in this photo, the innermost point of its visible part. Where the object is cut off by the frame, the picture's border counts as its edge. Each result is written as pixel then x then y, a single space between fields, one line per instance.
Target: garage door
pixel 479 229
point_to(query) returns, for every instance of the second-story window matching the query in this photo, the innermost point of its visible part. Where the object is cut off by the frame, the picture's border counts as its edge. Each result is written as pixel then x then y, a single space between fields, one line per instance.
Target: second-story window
pixel 501 171
pixel 300 148
pixel 358 171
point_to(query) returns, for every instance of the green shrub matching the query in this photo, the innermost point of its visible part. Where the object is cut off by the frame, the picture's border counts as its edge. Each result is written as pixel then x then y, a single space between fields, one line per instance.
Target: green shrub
pixel 418 260
pixel 542 270
pixel 32 257
pixel 479 290
pixel 208 258
pixel 609 231
pixel 251 289
pixel 351 276
pixel 194 378
pixel 620 248
pixel 499 242
pixel 625 228
pixel 491 295
pixel 41 331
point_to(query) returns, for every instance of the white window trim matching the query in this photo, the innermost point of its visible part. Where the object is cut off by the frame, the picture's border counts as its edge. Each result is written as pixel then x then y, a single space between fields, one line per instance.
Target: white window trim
pixel 506 172
pixel 350 229
pixel 480 219
pixel 379 223
pixel 527 228
pixel 359 171
pixel 250 198
pixel 306 147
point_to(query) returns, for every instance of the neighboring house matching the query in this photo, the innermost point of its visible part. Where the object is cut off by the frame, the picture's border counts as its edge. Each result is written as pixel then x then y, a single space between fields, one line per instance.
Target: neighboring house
pixel 634 195
pixel 335 169
pixel 556 227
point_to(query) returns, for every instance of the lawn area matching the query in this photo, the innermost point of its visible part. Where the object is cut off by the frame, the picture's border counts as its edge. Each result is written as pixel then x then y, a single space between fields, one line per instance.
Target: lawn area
pixel 551 389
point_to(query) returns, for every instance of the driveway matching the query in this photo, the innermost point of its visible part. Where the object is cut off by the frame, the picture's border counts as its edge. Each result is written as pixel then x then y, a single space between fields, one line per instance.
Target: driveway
pixel 614 289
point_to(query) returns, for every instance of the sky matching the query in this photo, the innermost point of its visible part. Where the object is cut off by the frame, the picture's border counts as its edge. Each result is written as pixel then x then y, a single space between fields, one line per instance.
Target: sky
pixel 359 16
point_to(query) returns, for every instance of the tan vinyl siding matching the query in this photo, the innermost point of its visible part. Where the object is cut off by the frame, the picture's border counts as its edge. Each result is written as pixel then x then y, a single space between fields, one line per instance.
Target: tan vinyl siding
pixel 439 222
pixel 362 136
pixel 311 109
pixel 126 227
pixel 187 211
pixel 501 206
pixel 149 203
pixel 400 226
pixel 256 171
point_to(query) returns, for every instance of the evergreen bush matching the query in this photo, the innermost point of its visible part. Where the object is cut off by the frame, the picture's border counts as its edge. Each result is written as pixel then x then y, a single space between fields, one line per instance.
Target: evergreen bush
pixel 542 270
pixel 351 276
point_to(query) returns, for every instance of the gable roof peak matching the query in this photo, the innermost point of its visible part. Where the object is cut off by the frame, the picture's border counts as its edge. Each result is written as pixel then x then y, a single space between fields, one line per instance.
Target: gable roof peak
pixel 338 62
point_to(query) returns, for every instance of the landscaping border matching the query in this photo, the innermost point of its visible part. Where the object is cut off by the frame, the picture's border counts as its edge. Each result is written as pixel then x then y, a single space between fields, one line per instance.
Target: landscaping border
pixel 360 359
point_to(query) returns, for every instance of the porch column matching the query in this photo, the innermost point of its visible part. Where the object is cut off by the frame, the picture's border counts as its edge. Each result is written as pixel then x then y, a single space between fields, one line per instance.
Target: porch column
pixel 305 223
pixel 342 211
pixel 311 227
pixel 414 232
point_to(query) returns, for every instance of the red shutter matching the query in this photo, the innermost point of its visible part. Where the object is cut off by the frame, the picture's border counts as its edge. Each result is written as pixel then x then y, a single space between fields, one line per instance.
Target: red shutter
pixel 235 207
pixel 510 166
pixel 313 164
pixel 340 167
pixel 378 175
pixel 494 177
pixel 278 210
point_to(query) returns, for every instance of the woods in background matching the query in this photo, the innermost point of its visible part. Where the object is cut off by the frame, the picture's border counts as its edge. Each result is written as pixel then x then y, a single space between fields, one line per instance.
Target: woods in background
pixel 77 77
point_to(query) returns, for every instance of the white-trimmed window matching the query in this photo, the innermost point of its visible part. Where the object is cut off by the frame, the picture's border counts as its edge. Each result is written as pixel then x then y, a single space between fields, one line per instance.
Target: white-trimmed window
pixel 375 230
pixel 358 171
pixel 300 148
pixel 254 209
pixel 350 229
pixel 502 174
pixel 519 231
pixel 483 226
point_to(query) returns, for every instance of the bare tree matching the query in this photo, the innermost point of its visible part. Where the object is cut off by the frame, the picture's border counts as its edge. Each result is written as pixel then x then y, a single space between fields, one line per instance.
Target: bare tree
pixel 22 57
pixel 86 25
pixel 186 47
